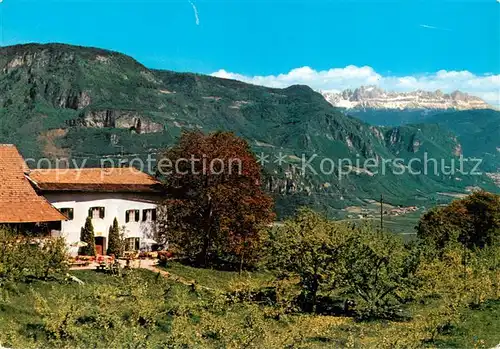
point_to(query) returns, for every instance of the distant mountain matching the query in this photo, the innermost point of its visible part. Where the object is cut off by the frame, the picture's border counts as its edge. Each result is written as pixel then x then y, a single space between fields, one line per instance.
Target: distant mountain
pixel 86 103
pixel 394 117
pixel 478 131
pixel 373 97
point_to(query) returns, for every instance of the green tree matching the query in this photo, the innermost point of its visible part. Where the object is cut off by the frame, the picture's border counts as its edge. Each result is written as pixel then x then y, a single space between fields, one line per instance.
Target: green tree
pixel 379 272
pixel 87 236
pixel 55 256
pixel 373 268
pixel 115 244
pixel 307 247
pixel 474 221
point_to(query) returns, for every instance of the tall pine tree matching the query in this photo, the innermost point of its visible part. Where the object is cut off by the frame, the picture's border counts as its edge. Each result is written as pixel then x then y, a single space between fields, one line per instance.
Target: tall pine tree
pixel 115 243
pixel 87 235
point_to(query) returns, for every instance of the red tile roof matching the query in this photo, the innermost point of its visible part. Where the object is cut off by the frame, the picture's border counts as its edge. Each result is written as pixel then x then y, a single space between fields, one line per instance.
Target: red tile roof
pixel 19 202
pixel 126 179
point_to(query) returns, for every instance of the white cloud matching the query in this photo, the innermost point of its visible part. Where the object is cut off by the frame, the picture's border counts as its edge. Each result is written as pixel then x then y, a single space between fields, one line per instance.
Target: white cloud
pixel 485 86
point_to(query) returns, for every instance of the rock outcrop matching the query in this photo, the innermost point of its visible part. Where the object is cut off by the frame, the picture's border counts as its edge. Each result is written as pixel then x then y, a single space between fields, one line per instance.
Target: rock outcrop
pixel 120 119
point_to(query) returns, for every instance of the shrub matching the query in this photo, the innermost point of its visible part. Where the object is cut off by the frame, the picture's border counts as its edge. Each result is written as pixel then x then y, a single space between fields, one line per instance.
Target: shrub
pixel 460 277
pixel 115 244
pixel 87 236
pixel 54 256
pixel 22 257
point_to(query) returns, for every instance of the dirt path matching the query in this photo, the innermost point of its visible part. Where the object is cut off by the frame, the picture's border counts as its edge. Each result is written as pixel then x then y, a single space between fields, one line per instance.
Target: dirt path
pixel 150 265
pixel 170 276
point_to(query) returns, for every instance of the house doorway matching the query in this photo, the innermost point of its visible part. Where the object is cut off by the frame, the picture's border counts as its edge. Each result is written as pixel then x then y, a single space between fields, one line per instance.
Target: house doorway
pixel 100 244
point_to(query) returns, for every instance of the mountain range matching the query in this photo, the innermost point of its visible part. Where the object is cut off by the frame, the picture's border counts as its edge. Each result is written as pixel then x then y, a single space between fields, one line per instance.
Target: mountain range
pixel 373 97
pixel 62 101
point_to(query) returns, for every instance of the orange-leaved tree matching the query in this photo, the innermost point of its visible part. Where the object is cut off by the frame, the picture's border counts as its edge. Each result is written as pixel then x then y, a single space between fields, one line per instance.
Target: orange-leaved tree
pixel 216 208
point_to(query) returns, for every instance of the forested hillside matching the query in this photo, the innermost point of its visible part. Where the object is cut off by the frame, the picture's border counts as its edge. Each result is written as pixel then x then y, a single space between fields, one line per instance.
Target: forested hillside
pixel 85 103
pixel 478 131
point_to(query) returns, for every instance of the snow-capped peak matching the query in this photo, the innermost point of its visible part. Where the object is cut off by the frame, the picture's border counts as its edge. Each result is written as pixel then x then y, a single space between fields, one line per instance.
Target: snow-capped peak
pixel 374 97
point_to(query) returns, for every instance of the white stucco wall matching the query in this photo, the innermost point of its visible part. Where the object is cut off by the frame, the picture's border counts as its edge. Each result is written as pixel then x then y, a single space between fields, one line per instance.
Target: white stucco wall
pixel 115 204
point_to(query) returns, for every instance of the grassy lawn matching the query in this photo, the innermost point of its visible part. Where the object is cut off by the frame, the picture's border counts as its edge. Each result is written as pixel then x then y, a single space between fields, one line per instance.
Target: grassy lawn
pixel 481 328
pixel 404 224
pixel 24 324
pixel 19 316
pixel 18 299
pixel 217 279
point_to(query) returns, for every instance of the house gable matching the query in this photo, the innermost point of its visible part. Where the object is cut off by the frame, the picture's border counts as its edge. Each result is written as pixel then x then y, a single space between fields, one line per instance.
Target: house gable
pixel 19 202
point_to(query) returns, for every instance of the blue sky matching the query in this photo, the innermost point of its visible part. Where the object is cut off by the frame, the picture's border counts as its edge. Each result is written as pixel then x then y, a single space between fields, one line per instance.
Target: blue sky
pixel 249 39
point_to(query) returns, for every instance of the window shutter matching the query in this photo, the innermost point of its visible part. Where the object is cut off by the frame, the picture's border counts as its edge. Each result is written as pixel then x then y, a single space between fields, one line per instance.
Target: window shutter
pixel 101 212
pixel 70 214
pixel 153 215
pixel 90 212
pixel 137 215
pixel 144 215
pixel 127 214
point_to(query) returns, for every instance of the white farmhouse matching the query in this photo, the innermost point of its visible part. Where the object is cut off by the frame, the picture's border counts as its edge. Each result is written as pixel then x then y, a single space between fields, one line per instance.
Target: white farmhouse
pixel 103 194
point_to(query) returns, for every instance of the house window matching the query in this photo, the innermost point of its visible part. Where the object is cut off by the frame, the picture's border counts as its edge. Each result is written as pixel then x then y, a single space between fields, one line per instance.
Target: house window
pixel 132 244
pixel 149 215
pixel 68 212
pixel 132 216
pixel 96 212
